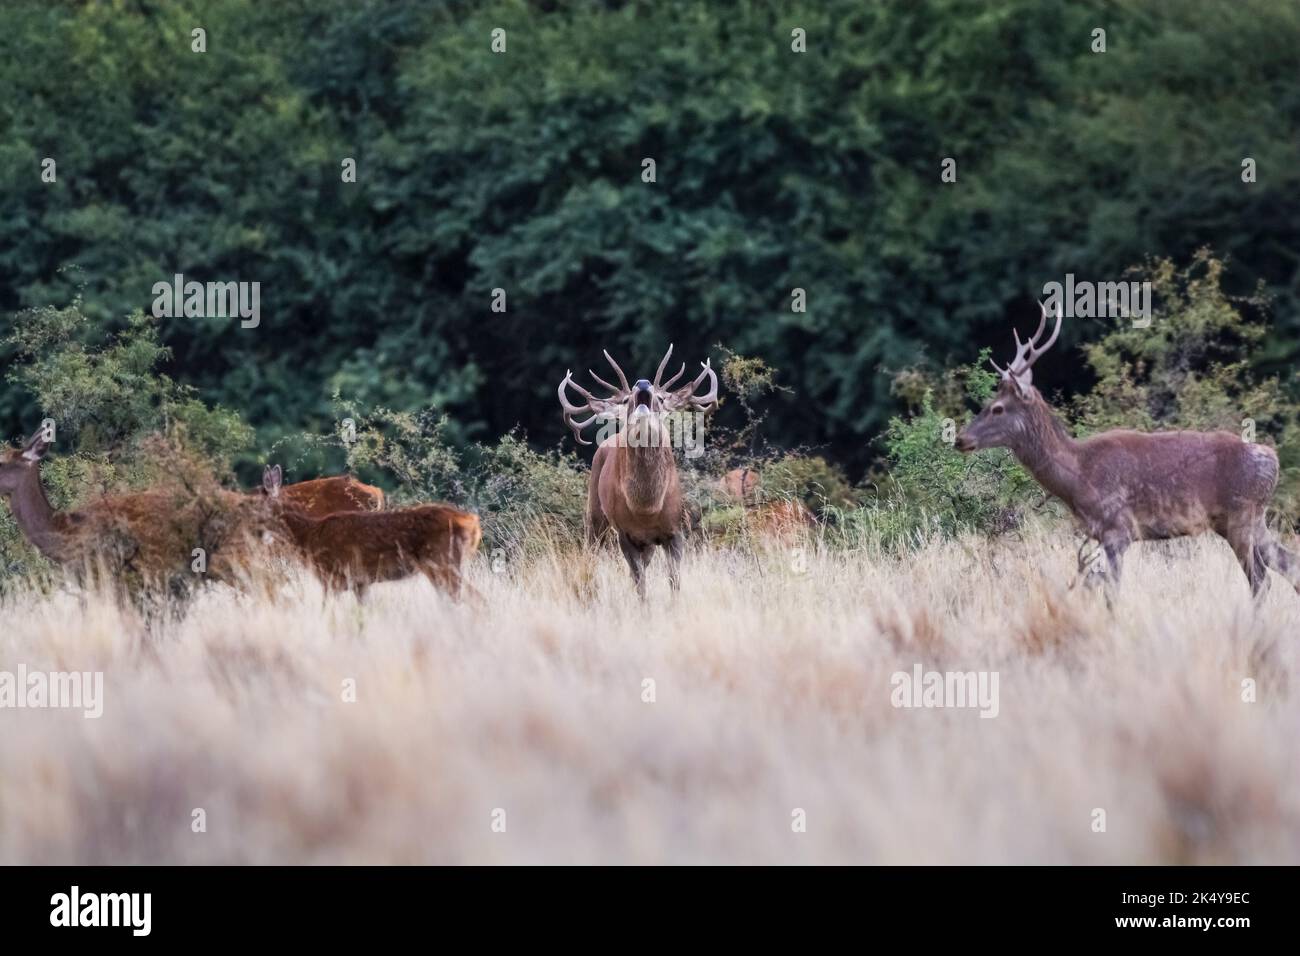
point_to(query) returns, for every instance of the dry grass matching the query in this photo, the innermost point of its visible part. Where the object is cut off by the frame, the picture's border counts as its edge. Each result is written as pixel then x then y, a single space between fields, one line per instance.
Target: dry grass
pixel 772 693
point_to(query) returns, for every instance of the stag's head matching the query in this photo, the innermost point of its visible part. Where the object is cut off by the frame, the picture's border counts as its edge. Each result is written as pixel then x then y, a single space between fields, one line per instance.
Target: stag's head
pixel 639 406
pixel 16 464
pixel 1007 416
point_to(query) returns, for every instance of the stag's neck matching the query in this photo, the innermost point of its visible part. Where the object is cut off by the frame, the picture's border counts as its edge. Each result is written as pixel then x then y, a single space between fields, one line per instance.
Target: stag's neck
pixel 649 470
pixel 37 519
pixel 1050 454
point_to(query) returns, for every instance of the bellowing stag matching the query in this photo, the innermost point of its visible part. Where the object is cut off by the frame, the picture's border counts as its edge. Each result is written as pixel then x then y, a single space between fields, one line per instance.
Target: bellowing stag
pixel 1123 486
pixel 634 487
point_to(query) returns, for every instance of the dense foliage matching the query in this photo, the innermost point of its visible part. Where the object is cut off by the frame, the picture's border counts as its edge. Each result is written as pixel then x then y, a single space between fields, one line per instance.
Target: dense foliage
pixel 522 171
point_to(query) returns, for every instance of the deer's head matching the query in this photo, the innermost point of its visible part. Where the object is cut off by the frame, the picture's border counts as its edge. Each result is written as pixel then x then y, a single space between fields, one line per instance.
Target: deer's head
pixel 272 481
pixel 1008 415
pixel 17 464
pixel 640 406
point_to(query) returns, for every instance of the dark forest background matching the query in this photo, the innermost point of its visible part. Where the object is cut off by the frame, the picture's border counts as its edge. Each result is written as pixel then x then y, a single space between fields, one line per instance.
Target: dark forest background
pixel 522 170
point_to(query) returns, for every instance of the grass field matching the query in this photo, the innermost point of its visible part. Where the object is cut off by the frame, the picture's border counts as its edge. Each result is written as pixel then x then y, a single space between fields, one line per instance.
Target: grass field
pixel 771 695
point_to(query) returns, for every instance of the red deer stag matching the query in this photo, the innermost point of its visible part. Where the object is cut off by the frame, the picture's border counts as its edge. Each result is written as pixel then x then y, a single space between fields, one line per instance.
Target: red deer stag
pixel 146 539
pixel 634 487
pixel 1123 486
pixel 357 549
pixel 319 497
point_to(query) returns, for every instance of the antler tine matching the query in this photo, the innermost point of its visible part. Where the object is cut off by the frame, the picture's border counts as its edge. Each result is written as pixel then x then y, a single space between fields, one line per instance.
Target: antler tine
pixel 1042 324
pixel 590 397
pixel 570 409
pixel 669 384
pixel 663 363
pixel 621 377
pixel 601 382
pixel 1035 350
pixel 709 399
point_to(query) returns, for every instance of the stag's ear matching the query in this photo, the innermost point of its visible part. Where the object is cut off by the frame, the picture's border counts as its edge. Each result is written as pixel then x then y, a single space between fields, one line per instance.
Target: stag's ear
pixel 36 447
pixel 1018 385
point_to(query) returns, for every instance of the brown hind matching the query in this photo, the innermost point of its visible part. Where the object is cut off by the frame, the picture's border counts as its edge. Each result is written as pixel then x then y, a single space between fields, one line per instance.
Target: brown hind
pixel 325 496
pixel 353 550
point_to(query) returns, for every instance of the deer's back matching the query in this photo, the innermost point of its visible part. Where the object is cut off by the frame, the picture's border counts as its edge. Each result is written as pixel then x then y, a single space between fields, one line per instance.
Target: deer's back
pixel 388 544
pixel 1178 482
pixel 325 496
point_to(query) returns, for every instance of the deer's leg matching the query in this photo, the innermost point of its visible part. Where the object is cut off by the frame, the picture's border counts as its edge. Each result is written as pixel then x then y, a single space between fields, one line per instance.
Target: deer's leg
pixel 636 560
pixel 596 524
pixel 1270 553
pixel 676 545
pixel 1114 547
pixel 445 578
pixel 1244 540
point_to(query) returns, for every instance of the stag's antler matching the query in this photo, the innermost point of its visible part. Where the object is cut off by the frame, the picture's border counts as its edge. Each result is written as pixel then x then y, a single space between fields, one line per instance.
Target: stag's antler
pixel 686 394
pixel 1028 353
pixel 659 373
pixel 595 404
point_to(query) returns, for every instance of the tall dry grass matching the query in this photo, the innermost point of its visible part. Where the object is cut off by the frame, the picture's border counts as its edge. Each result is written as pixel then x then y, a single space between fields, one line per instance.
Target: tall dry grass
pixel 772 692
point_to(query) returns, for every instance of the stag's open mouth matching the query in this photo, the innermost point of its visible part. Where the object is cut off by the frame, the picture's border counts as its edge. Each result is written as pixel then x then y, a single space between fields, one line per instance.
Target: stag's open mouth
pixel 641 404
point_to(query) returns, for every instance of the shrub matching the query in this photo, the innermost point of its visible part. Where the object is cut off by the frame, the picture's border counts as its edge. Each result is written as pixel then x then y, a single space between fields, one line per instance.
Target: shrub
pixel 1191 368
pixel 114 412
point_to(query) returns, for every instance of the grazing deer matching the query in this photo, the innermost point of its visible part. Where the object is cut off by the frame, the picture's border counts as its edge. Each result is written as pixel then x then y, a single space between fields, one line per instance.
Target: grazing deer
pixel 357 549
pixel 325 496
pixel 634 487
pixel 146 540
pixel 779 518
pixel 1123 486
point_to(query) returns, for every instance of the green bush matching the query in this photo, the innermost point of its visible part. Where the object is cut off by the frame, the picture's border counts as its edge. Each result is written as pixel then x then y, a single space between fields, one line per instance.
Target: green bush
pixel 120 423
pixel 1192 368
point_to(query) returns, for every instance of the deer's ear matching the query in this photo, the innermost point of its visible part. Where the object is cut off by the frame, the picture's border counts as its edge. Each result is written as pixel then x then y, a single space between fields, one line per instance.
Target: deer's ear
pixel 36 447
pixel 271 479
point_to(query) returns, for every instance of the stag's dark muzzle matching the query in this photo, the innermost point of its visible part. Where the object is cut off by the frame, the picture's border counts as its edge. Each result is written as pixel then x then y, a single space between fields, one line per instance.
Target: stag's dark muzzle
pixel 642 393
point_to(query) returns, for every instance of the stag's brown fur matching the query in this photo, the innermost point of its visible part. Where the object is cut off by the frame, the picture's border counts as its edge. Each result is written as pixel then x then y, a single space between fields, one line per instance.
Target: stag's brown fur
pixel 634 489
pixel 1123 486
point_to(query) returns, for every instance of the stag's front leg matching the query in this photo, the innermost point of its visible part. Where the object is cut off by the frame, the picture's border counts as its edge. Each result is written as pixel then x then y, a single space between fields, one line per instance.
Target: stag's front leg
pixel 1104 564
pixel 636 561
pixel 676 546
